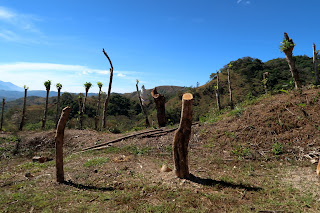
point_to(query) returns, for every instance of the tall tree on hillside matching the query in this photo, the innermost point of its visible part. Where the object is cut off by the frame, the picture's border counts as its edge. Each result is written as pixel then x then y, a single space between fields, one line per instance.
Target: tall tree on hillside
pixel 24 107
pixel 230 89
pixel 3 103
pixel 142 108
pixel 315 63
pixel 105 108
pixel 98 105
pixel 217 92
pixel 87 86
pixel 59 87
pixel 47 84
pixel 287 46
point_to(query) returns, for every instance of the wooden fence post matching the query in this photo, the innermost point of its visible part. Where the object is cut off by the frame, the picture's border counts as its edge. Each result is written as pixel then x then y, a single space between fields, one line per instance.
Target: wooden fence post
pixel 59 143
pixel 182 137
pixel 160 106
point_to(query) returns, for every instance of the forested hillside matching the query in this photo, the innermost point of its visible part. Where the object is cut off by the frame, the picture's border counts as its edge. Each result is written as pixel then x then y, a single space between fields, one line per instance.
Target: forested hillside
pixel 124 111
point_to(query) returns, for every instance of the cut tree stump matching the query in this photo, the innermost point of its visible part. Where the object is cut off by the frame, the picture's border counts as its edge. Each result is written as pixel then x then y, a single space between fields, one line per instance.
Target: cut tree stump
pixel 182 137
pixel 160 101
pixel 59 143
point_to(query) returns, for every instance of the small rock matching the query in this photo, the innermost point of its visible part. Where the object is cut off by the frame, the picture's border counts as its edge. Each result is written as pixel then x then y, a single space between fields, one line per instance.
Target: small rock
pixel 313 161
pixel 28 175
pixel 39 159
pixel 165 168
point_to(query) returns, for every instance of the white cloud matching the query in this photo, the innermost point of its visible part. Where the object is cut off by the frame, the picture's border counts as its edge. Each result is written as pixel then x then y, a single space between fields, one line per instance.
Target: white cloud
pixel 71 77
pixel 22 26
pixel 121 75
pixel 243 2
pixel 6 13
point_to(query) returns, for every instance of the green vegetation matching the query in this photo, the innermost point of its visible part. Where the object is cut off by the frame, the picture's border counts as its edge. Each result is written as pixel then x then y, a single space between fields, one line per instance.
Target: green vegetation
pixel 285 45
pixel 277 148
pixel 95 162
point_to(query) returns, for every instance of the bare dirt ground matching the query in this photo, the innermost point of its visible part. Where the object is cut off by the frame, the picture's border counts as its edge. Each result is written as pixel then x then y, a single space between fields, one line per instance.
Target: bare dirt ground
pixel 257 158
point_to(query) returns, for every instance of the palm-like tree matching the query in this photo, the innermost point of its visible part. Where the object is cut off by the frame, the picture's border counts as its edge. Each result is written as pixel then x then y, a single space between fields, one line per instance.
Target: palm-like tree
pixel 59 87
pixel 47 84
pixel 87 86
pixel 24 107
pixel 98 105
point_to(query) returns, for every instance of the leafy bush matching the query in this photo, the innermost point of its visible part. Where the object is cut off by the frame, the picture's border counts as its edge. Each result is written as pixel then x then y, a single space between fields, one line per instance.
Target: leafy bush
pixel 277 148
pixel 286 45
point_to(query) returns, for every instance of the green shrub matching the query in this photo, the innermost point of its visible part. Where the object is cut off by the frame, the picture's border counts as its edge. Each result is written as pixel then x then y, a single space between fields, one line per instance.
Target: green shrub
pixel 277 148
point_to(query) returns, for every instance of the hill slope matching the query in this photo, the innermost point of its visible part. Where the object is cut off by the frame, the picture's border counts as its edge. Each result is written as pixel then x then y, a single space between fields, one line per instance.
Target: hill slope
pixel 233 159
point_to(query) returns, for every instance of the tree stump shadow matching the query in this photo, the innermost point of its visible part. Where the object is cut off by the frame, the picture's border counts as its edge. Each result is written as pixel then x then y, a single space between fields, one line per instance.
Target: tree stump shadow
pixel 211 182
pixel 87 187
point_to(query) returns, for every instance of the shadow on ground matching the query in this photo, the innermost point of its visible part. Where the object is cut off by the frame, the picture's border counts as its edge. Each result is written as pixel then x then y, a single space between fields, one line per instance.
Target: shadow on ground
pixel 211 182
pixel 87 187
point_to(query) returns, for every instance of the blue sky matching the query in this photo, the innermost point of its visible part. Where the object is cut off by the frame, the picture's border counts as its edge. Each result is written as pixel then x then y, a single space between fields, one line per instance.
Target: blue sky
pixel 176 42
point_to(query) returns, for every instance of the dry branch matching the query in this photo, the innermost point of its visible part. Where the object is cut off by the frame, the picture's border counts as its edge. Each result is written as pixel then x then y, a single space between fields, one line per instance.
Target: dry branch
pixel 142 108
pixel 104 121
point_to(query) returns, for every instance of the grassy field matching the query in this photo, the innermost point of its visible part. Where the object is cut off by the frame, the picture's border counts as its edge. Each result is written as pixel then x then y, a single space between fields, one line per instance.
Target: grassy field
pixel 236 165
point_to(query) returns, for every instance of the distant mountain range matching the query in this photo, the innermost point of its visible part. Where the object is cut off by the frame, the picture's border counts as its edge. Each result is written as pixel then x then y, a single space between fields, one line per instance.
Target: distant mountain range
pixel 11 92
pixel 10 86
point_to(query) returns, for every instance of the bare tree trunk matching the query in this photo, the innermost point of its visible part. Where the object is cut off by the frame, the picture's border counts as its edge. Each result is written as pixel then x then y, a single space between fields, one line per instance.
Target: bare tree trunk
pixel 59 143
pixel 83 109
pixel 265 81
pixel 315 64
pixel 142 108
pixel 160 106
pixel 23 110
pixel 98 111
pixel 45 111
pixel 217 93
pixel 105 108
pixel 182 137
pixel 80 111
pixel 58 107
pixel 3 103
pixel 291 63
pixel 230 90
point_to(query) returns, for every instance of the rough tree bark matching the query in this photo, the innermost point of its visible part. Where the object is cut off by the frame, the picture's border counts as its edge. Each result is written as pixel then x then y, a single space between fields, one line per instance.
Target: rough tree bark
pixel 59 143
pixel 265 74
pixel 3 103
pixel 58 107
pixel 83 108
pixel 160 106
pixel 45 111
pixel 217 93
pixel 80 110
pixel 105 108
pixel 23 109
pixel 98 110
pixel 291 63
pixel 182 137
pixel 142 108
pixel 315 64
pixel 230 89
